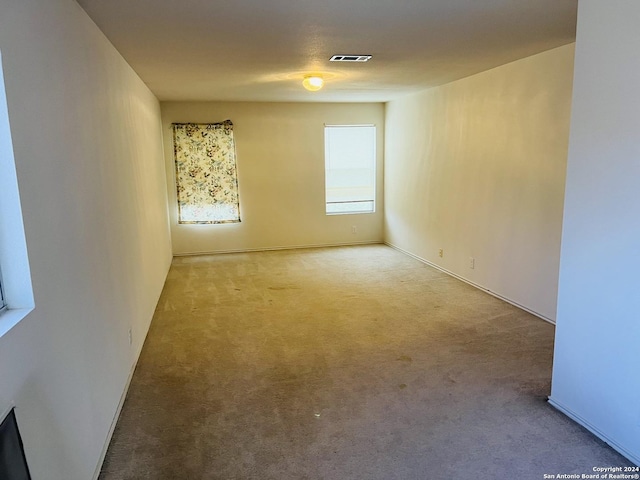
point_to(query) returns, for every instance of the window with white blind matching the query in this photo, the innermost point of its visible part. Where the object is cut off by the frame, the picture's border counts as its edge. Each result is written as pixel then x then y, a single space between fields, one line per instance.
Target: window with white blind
pixel 350 168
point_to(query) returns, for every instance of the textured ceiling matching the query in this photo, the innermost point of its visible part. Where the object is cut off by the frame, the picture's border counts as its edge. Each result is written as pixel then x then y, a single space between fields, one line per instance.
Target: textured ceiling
pixel 259 50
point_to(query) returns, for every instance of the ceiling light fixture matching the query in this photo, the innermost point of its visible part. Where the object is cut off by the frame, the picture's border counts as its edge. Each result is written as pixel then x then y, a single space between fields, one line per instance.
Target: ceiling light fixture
pixel 313 83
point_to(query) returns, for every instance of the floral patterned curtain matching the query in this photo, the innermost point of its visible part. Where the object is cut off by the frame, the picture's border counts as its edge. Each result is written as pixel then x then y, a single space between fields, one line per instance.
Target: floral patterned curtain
pixel 206 174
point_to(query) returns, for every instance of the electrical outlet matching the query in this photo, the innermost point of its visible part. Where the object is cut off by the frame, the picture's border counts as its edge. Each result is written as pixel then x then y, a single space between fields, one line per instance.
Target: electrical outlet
pixel 354 229
pixel 472 262
pixel 130 338
pixel 441 253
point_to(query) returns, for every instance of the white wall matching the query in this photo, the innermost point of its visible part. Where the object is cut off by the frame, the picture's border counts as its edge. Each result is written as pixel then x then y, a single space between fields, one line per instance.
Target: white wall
pixel 477 168
pixel 280 155
pixel 596 374
pixel 88 151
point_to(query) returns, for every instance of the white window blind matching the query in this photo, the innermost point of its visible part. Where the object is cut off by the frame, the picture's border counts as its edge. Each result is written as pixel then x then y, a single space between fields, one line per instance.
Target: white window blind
pixel 350 168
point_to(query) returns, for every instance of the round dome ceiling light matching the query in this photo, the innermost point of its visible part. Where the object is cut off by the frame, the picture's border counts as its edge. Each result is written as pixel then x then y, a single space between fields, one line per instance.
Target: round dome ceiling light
pixel 313 83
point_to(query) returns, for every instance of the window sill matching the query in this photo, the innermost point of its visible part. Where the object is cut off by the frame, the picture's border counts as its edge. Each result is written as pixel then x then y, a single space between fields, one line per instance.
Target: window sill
pixel 11 317
pixel 348 213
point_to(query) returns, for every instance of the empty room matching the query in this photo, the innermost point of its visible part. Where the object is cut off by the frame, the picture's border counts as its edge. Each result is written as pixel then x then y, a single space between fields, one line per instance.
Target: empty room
pixel 319 240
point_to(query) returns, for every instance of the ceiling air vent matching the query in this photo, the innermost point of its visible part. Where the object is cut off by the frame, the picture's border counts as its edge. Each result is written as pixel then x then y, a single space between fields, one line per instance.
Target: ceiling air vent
pixel 350 58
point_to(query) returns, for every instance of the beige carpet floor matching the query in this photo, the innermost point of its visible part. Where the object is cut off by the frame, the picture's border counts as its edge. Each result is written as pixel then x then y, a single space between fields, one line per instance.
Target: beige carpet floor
pixel 337 364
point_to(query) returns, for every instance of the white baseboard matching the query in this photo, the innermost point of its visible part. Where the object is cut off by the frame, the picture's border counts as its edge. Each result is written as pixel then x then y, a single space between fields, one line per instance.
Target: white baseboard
pixel 285 247
pixel 123 397
pixel 103 454
pixel 581 421
pixel 473 284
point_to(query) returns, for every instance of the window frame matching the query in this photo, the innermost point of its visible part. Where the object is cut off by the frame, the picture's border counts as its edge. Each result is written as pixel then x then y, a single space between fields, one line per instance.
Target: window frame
pixel 3 302
pixel 17 288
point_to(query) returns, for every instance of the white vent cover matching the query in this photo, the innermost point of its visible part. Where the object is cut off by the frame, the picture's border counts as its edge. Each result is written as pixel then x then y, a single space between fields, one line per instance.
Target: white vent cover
pixel 350 58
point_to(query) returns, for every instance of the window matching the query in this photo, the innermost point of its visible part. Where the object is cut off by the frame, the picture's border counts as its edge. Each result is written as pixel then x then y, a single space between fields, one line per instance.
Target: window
pixel 350 168
pixel 17 291
pixel 206 176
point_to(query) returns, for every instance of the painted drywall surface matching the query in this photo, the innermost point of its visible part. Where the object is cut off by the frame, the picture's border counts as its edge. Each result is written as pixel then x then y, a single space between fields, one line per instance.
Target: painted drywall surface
pixel 596 374
pixel 88 152
pixel 477 168
pixel 280 155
